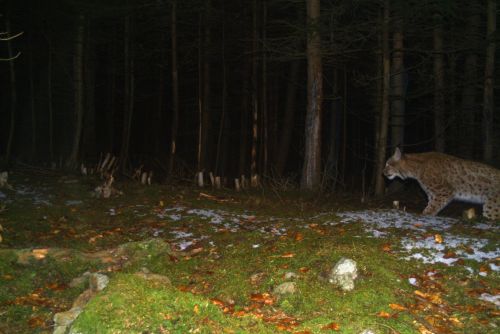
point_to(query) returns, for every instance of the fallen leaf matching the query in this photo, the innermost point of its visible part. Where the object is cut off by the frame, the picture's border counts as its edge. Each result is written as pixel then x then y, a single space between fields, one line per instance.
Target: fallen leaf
pixel 196 309
pixel 298 236
pixel 456 322
pixel 40 253
pixel 287 255
pixel 36 322
pixel 383 314
pixel 450 255
pixel 387 247
pixel 397 307
pixel 331 326
pixel 304 269
pixel 432 297
pixel 438 238
pixel 484 269
pixel 264 298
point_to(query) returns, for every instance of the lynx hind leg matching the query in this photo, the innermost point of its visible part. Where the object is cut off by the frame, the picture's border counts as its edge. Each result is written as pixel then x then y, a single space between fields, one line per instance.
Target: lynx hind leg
pixel 491 208
pixel 437 203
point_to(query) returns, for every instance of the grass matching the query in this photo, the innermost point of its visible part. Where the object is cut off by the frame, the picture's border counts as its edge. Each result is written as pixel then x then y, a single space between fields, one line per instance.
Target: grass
pixel 224 281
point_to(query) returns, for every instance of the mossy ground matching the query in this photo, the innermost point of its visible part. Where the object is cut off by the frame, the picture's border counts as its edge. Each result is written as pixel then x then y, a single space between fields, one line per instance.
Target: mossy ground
pixel 223 281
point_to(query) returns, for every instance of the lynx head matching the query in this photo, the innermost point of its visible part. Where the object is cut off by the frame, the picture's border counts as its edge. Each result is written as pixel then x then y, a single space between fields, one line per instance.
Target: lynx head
pixel 393 166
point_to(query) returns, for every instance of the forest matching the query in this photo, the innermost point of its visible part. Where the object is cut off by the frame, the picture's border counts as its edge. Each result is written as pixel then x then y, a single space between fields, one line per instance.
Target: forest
pixel 217 166
pixel 248 90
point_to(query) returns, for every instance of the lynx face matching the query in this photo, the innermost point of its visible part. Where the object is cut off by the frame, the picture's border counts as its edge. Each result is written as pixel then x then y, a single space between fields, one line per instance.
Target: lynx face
pixel 445 178
pixel 392 167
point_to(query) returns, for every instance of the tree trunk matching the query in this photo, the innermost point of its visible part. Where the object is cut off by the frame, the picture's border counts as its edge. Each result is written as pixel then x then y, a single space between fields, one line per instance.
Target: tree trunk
pixel 263 94
pixel 206 84
pixel 49 98
pixel 489 75
pixel 13 94
pixel 377 98
pixel 222 124
pixel 398 87
pixel 78 87
pixel 288 121
pixel 200 150
pixel 111 105
pixel 32 107
pixel 255 102
pixel 311 172
pixel 469 94
pixel 244 120
pixel 439 98
pixel 89 132
pixel 384 113
pixel 175 90
pixel 128 93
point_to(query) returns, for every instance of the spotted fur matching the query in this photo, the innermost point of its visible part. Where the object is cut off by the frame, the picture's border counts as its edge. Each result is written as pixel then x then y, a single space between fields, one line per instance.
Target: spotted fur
pixel 445 178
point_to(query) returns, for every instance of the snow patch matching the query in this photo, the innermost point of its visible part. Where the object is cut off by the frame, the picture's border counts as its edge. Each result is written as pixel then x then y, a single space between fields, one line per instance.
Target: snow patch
pixel 431 251
pixel 495 299
pixel 386 219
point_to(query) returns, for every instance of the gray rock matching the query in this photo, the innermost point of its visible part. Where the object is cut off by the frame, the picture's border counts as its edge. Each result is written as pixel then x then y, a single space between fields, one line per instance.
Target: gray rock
pixel 285 288
pixel 368 331
pixel 291 275
pixel 98 281
pixel 78 281
pixel 63 319
pixel 343 274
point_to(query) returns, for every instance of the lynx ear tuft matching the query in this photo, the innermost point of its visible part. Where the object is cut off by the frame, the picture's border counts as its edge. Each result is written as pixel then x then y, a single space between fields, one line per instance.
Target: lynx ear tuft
pixel 397 154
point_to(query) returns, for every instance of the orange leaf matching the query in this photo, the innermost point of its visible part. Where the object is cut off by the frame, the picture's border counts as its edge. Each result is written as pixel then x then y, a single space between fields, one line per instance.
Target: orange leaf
pixel 438 238
pixel 484 269
pixel 331 326
pixel 383 314
pixel 397 307
pixel 240 313
pixel 184 288
pixel 450 255
pixel 217 302
pixel 196 309
pixel 40 253
pixel 36 322
pixel 288 255
pixel 387 247
pixel 264 298
pixel 299 236
pixel 304 269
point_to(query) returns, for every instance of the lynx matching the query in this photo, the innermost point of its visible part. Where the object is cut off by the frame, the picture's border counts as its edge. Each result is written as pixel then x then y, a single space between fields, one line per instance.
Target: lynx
pixel 445 178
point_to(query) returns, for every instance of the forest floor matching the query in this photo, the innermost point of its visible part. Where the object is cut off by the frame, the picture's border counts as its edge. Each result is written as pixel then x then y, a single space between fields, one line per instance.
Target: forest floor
pixel 219 260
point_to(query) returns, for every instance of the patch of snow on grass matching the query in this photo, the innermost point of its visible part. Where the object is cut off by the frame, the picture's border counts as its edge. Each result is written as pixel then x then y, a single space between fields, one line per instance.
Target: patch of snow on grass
pixel 495 299
pixel 215 218
pixel 486 226
pixel 377 220
pixel 38 198
pixel 184 244
pixel 181 234
pixel 430 251
pixel 174 216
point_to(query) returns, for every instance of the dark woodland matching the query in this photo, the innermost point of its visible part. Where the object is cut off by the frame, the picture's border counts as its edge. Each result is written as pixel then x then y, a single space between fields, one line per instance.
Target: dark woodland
pixel 317 94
